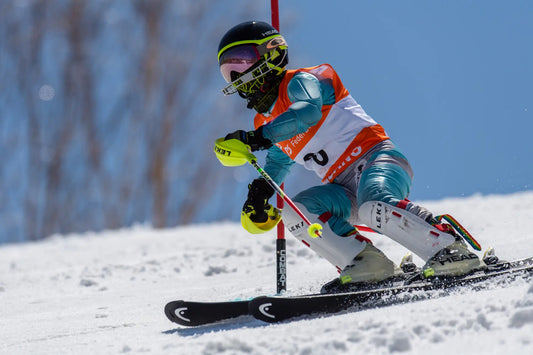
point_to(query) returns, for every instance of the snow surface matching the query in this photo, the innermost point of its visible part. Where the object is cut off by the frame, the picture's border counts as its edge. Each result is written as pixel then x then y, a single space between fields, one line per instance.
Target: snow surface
pixel 104 293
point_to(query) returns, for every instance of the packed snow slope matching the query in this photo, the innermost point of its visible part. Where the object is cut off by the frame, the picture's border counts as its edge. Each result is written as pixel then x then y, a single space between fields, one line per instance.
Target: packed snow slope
pixel 104 293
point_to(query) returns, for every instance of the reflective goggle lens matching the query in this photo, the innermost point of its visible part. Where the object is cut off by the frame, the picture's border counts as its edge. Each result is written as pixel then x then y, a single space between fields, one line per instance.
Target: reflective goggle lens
pixel 237 59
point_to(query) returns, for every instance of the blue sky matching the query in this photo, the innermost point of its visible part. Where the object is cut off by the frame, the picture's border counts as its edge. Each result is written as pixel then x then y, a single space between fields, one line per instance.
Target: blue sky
pixel 451 82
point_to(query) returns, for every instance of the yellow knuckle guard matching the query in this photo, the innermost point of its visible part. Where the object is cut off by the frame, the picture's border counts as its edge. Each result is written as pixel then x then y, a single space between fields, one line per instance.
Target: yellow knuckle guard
pixel 274 216
pixel 232 152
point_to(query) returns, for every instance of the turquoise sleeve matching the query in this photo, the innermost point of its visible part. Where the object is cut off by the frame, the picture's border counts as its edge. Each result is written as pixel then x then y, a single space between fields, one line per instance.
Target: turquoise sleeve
pixel 306 94
pixel 278 164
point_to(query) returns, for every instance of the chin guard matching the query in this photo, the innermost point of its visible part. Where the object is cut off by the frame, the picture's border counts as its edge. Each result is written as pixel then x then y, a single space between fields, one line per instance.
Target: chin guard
pixel 274 216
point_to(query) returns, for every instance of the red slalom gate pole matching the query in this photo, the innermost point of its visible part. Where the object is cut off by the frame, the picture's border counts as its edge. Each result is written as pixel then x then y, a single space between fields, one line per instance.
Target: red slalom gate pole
pixel 281 243
pixel 274 9
pixel 281 253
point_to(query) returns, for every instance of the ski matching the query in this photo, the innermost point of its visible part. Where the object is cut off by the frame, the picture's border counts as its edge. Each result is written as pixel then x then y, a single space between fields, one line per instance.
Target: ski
pixel 407 287
pixel 275 309
pixel 191 314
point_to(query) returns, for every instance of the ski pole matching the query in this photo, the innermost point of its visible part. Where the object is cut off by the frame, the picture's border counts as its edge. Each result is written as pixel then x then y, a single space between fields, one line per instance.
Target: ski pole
pixel 281 253
pixel 281 248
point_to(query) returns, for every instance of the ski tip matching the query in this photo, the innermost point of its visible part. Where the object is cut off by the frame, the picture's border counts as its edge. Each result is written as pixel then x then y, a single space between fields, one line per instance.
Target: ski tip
pixel 261 308
pixel 176 313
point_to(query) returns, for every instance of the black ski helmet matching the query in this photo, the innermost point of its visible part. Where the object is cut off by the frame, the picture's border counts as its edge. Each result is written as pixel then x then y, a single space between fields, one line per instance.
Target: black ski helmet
pixel 249 54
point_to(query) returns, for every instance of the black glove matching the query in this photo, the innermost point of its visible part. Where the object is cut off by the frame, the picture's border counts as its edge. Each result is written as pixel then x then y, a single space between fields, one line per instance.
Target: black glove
pixel 259 192
pixel 254 139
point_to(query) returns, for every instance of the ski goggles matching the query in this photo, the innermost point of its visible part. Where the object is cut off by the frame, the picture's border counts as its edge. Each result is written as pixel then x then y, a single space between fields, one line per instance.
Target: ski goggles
pixel 238 59
pixel 241 56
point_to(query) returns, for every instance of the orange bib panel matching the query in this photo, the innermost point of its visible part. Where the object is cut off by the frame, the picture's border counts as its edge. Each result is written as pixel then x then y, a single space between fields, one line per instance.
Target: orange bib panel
pixel 343 134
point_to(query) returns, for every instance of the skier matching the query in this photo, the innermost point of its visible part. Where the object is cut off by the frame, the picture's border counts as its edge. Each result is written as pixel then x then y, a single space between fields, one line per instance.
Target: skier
pixel 307 116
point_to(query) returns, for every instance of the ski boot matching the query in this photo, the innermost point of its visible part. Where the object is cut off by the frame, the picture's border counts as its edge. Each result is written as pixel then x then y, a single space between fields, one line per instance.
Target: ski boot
pixel 370 269
pixel 455 259
pixel 369 266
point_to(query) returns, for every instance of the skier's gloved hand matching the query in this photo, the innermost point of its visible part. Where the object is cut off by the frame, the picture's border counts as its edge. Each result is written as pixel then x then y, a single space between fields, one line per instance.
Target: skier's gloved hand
pixel 256 205
pixel 254 139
